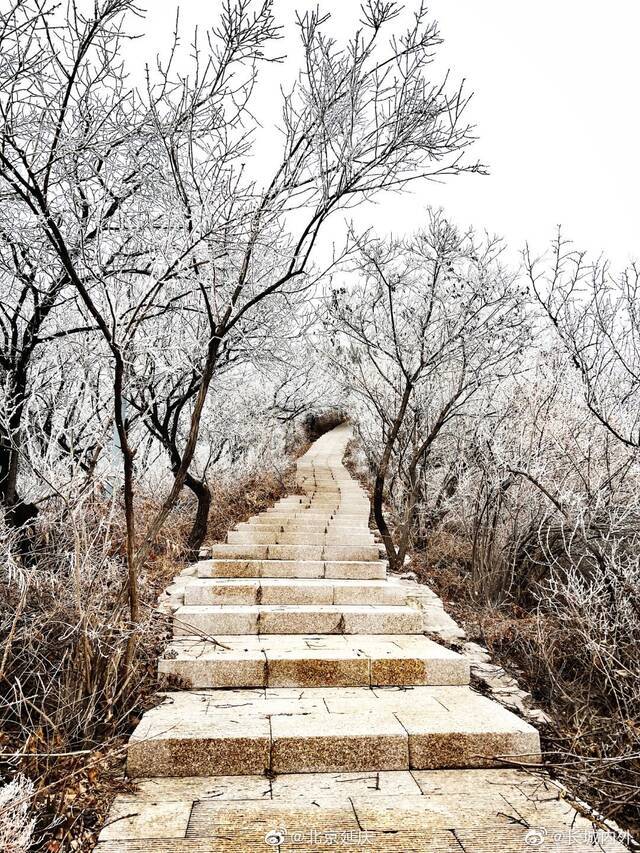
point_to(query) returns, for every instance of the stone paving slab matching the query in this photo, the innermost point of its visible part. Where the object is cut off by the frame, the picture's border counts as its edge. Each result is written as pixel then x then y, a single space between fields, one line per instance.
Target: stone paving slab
pixel 348 519
pixel 354 569
pixel 273 537
pixel 482 840
pixel 327 729
pixel 216 619
pixel 261 568
pixel 263 522
pixel 292 591
pixel 311 660
pixel 505 810
pixel 338 569
pixel 261 819
pixel 208 744
pixel 312 743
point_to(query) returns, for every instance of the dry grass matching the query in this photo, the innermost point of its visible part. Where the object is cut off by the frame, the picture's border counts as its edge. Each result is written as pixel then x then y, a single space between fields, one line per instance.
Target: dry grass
pixel 68 702
pixel 591 743
pixel 235 502
pixel 68 694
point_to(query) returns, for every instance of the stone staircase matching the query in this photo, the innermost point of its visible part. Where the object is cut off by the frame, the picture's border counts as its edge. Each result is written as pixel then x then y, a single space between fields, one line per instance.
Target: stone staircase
pixel 308 690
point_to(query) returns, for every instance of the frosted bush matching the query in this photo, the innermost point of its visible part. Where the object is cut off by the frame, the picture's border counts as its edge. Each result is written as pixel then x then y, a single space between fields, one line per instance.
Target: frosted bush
pixel 16 826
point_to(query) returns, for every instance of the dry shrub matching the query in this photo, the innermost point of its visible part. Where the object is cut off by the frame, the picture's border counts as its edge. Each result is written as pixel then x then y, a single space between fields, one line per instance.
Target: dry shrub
pixel 578 664
pixel 444 547
pixel 16 824
pixel 69 696
pixel 234 501
pixel 448 576
pixel 356 463
pixel 75 673
pixel 592 743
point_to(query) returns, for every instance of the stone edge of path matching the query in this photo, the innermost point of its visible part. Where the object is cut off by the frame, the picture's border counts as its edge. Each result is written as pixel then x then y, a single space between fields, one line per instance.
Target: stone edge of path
pixel 500 685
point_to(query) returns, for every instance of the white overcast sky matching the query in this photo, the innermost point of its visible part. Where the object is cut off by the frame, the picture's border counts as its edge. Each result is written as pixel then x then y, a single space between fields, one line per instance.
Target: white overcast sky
pixel 555 105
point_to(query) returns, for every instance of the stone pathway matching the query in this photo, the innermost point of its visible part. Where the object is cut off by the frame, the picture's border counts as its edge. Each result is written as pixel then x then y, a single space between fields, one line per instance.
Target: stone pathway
pixel 314 713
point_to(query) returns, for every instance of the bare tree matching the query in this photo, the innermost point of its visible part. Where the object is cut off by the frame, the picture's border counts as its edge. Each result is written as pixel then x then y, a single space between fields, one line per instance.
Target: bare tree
pixel 81 157
pixel 138 206
pixel 595 315
pixel 429 327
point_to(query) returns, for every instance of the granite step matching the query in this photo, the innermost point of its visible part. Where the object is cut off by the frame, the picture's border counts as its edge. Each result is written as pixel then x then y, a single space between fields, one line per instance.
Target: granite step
pixel 206 591
pixel 346 569
pixel 333 660
pixel 327 527
pixel 294 552
pixel 322 730
pixel 212 620
pixel 351 519
pixel 287 537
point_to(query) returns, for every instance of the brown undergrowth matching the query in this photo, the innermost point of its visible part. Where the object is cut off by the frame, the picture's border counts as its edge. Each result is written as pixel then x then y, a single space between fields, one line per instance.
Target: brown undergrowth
pixel 68 697
pixel 591 744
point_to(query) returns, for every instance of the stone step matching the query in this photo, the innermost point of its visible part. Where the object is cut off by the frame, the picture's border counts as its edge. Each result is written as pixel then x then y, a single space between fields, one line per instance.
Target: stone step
pixel 322 730
pixel 308 510
pixel 315 518
pixel 275 537
pixel 215 619
pixel 360 525
pixel 203 591
pixel 346 569
pixel 343 504
pixel 353 519
pixel 313 661
pixel 295 552
pixel 294 526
